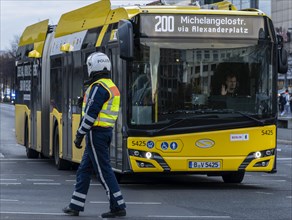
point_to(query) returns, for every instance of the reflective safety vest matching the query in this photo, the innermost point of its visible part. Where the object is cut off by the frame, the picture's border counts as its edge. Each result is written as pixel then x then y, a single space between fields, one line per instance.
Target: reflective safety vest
pixel 110 109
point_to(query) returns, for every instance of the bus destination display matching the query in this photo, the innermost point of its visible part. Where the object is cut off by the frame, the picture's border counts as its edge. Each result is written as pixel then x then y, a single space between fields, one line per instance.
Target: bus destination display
pixel 176 25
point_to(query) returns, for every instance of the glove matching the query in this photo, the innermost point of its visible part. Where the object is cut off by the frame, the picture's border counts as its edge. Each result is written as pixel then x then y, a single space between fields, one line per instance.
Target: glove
pixel 78 140
pixel 80 102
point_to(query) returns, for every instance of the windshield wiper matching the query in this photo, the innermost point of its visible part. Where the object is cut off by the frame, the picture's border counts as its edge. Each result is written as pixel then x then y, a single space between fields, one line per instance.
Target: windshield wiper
pixel 250 117
pixel 179 120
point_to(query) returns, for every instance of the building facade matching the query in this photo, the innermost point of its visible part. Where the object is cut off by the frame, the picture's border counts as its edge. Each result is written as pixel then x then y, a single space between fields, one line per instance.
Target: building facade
pixel 281 13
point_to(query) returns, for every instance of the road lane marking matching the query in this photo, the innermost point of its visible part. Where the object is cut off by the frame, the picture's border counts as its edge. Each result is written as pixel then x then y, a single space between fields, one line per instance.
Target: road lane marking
pixel 289 197
pixel 22 159
pixel 8 179
pixel 190 216
pixel 285 158
pixel 32 213
pixel 47 184
pixel 277 180
pixel 41 180
pixel 274 175
pixel 46 175
pixel 9 200
pixel 132 203
pixel 10 183
pixel 265 193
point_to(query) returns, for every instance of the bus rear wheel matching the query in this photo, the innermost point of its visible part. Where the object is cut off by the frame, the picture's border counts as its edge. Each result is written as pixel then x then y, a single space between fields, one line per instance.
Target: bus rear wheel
pixel 233 177
pixel 60 163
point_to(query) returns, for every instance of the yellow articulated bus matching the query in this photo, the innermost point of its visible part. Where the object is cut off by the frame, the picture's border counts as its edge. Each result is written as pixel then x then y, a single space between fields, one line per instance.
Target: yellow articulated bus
pixel 180 111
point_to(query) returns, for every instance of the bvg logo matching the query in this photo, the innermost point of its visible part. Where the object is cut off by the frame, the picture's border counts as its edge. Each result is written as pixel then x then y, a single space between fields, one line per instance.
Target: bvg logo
pixel 204 143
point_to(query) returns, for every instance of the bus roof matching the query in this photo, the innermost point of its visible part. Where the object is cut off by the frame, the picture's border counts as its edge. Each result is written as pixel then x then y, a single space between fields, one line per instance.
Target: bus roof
pixel 100 13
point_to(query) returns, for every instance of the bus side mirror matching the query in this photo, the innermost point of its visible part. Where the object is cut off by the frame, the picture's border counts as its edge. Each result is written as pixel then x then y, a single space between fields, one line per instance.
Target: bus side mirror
pixel 126 40
pixel 282 56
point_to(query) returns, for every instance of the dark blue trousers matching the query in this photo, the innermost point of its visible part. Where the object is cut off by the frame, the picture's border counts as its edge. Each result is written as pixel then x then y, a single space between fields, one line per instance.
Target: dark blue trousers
pixel 96 159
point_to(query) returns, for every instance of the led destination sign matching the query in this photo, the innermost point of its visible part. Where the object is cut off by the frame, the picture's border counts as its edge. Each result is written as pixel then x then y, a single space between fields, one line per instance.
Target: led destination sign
pixel 165 25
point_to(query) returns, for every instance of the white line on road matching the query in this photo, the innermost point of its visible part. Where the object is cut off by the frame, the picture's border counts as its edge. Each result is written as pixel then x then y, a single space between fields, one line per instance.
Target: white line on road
pixel 9 200
pixel 190 216
pixel 46 175
pixel 36 180
pixel 57 184
pixel 32 213
pixel 8 179
pixel 22 159
pixel 285 158
pixel 274 175
pixel 265 193
pixel 10 183
pixel 277 180
pixel 132 203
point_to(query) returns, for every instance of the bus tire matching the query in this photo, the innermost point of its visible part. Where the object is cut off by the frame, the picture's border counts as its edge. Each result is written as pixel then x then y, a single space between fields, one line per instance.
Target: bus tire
pixel 60 163
pixel 233 177
pixel 30 153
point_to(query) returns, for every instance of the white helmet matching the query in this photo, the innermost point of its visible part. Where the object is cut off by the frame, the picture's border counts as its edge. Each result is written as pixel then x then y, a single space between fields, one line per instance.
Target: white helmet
pixel 98 62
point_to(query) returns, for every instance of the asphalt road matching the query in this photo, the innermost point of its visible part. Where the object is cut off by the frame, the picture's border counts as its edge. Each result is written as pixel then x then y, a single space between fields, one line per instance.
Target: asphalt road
pixel 34 189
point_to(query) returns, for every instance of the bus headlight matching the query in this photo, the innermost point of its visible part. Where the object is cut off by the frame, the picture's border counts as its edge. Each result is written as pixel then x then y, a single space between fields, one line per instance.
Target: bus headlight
pixel 148 155
pixel 257 154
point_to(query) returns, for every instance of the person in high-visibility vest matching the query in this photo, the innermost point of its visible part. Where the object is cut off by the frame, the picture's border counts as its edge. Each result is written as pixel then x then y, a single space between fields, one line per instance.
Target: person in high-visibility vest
pixel 100 110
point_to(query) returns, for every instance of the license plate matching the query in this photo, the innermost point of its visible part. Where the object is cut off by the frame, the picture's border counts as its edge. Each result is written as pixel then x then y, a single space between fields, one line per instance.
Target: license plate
pixel 205 164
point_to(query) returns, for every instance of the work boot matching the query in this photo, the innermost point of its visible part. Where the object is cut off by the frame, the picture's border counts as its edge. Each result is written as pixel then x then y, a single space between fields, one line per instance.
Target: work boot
pixel 67 210
pixel 114 213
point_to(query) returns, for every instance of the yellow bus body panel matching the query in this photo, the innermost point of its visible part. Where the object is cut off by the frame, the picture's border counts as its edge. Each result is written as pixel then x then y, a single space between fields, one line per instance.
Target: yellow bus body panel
pixel 21 111
pixel 91 16
pixel 35 34
pixel 39 131
pixel 231 152
pixel 76 153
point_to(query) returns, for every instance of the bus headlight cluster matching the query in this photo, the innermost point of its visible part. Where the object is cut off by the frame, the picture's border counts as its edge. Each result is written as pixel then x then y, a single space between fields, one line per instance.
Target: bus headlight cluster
pixel 142 154
pixel 257 154
pixel 264 153
pixel 148 155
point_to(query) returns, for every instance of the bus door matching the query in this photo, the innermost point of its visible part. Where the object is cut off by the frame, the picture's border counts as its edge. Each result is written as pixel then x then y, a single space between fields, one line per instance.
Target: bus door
pixel 35 103
pixel 116 153
pixel 67 106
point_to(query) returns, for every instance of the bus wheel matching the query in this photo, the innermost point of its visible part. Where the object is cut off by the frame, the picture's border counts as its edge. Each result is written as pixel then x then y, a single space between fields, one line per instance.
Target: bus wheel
pixel 30 153
pixel 233 177
pixel 60 163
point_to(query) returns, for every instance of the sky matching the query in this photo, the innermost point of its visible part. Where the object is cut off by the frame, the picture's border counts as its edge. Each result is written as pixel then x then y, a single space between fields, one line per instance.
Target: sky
pixel 16 15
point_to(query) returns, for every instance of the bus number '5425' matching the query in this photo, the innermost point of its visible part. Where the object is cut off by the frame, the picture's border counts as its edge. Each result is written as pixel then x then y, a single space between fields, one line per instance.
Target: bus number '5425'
pixel 164 24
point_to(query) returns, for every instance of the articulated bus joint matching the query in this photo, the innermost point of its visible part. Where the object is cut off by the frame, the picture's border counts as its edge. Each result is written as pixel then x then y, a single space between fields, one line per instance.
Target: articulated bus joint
pixel 257 155
pixel 150 156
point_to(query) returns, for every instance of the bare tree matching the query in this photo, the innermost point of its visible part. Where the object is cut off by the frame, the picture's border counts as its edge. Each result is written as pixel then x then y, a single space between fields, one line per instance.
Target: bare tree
pixel 7 68
pixel 13 46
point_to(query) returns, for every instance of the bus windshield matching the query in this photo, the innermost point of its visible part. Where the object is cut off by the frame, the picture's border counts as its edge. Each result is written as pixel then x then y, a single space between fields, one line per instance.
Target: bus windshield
pixel 170 82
